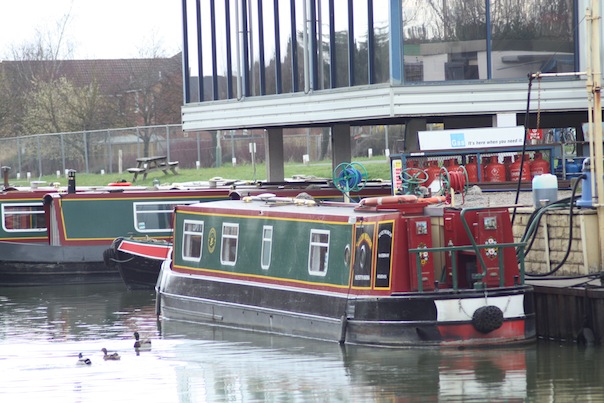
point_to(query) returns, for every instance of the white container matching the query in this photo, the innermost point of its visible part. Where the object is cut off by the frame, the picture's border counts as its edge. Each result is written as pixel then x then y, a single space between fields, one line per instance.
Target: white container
pixel 545 190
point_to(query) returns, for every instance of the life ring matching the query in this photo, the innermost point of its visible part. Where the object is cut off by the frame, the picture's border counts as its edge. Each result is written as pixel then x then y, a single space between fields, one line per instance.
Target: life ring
pixel 119 184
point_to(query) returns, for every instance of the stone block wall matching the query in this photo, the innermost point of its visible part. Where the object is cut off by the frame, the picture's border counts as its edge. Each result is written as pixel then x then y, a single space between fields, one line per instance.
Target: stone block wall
pixel 552 240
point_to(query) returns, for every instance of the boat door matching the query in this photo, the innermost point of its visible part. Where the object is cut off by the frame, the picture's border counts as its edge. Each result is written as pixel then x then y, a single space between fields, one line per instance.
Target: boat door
pixel 420 236
pixel 493 228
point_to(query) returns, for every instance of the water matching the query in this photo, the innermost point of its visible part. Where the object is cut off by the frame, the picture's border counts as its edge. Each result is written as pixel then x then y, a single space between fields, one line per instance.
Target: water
pixel 43 329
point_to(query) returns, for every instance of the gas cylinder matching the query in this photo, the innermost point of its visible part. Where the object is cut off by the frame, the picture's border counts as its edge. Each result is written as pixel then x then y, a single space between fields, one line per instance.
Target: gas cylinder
pixel 433 170
pixel 472 169
pixel 539 166
pixel 495 171
pixel 515 169
pixel 507 161
pixel 452 165
pixel 485 162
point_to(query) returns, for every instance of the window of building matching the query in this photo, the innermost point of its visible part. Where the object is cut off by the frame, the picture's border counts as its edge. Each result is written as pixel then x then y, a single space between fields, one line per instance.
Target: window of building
pixel 230 237
pixel 192 240
pixel 267 245
pixel 21 217
pixel 318 254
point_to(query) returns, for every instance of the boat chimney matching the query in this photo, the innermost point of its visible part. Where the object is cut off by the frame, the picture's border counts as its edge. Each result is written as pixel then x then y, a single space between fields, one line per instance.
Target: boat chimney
pixel 71 181
pixel 5 171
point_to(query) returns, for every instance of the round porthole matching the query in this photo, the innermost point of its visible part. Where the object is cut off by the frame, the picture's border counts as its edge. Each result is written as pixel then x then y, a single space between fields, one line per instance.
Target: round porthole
pixel 347 255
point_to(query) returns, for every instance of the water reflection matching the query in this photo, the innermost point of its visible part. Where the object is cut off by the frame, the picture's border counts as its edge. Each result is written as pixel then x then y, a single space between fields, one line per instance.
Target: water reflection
pixel 44 329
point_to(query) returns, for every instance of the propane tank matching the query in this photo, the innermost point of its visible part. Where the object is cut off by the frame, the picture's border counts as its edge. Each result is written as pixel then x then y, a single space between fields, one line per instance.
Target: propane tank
pixel 433 170
pixel 452 165
pixel 515 169
pixel 539 166
pixel 495 171
pixel 485 162
pixel 507 162
pixel 472 169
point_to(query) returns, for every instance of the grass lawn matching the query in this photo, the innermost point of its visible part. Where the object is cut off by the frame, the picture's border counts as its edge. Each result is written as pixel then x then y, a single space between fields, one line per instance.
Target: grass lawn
pixel 377 168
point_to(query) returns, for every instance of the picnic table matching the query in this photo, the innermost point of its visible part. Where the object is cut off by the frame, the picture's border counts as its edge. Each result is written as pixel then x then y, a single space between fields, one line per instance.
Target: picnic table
pixel 145 165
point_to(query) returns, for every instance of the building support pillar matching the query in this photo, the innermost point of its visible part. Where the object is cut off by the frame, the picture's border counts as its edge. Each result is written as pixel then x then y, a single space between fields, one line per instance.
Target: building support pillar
pixel 274 155
pixel 341 148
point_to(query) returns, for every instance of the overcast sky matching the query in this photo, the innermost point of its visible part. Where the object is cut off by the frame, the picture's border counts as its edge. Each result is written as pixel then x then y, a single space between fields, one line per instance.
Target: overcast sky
pixel 98 29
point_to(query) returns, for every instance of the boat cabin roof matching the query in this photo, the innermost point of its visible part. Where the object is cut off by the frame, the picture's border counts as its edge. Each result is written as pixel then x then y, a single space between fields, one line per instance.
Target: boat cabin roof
pixel 308 207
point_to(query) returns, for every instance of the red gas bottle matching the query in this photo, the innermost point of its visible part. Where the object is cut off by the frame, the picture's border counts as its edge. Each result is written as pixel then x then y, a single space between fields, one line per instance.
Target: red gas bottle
pixel 485 162
pixel 515 169
pixel 452 164
pixel 472 169
pixel 507 161
pixel 539 166
pixel 433 170
pixel 495 171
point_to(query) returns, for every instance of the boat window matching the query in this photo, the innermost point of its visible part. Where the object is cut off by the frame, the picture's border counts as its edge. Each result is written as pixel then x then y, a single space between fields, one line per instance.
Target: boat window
pixel 319 252
pixel 267 244
pixel 21 217
pixel 156 216
pixel 230 235
pixel 192 239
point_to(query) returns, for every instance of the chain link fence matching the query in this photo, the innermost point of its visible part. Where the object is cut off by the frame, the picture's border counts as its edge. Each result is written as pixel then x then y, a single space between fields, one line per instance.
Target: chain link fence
pixel 114 150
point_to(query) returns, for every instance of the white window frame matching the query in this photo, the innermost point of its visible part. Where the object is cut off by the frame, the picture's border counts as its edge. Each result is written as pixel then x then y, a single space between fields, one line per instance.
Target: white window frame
pixel 316 249
pixel 226 241
pixel 267 247
pixel 187 237
pixel 141 226
pixel 7 206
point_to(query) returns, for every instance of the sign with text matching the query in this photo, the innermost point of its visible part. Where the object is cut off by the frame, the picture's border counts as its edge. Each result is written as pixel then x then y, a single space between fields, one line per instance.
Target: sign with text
pixel 488 137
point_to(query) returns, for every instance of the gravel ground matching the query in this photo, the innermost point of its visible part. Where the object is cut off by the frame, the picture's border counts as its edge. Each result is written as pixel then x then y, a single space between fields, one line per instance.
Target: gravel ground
pixel 476 197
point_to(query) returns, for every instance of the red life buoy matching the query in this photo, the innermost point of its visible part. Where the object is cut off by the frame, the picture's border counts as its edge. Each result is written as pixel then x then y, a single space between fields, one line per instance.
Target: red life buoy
pixel 119 184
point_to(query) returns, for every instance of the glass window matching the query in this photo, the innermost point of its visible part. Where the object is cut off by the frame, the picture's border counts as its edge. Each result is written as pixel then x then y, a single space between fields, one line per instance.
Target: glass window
pixel 155 216
pixel 192 240
pixel 381 41
pixel 530 36
pixel 267 245
pixel 318 253
pixel 444 40
pixel 20 217
pixel 230 236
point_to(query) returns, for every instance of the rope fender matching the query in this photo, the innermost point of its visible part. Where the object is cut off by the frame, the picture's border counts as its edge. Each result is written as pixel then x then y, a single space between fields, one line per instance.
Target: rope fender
pixel 487 318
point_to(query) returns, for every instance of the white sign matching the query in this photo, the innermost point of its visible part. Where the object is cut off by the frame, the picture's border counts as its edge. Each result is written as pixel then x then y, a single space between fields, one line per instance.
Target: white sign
pixel 459 139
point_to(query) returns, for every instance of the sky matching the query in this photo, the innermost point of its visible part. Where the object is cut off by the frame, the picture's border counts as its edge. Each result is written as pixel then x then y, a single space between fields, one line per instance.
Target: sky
pixel 97 29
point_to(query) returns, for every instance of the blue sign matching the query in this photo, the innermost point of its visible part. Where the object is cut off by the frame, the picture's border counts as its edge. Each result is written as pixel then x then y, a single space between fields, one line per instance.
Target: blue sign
pixel 458 140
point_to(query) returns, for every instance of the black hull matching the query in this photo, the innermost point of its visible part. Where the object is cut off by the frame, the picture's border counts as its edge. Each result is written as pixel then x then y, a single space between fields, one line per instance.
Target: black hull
pixel 397 321
pixel 137 272
pixel 24 264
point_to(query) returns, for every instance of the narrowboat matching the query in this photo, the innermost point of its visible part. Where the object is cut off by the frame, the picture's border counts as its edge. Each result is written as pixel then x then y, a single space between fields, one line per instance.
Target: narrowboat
pixel 139 260
pixel 73 230
pixel 395 271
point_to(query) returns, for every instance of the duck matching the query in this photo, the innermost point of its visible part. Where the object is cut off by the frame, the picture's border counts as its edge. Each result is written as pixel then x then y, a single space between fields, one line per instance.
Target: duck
pixel 83 360
pixel 112 356
pixel 144 344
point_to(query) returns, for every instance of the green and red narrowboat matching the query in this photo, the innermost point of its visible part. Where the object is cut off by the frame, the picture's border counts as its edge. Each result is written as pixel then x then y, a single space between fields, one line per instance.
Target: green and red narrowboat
pixel 390 271
pixel 72 231
pixel 139 260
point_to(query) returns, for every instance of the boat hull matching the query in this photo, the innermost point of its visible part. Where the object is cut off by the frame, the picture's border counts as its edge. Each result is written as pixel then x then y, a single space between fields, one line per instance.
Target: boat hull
pixel 406 320
pixel 31 264
pixel 138 262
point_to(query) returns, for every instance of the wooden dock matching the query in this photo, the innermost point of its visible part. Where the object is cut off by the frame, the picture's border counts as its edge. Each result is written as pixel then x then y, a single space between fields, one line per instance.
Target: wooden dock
pixel 569 310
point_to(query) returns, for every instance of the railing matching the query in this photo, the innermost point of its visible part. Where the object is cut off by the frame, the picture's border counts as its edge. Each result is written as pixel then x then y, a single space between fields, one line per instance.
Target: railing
pixel 519 246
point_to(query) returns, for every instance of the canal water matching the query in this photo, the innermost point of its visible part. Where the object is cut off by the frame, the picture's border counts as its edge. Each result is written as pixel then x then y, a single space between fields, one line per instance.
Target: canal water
pixel 43 329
